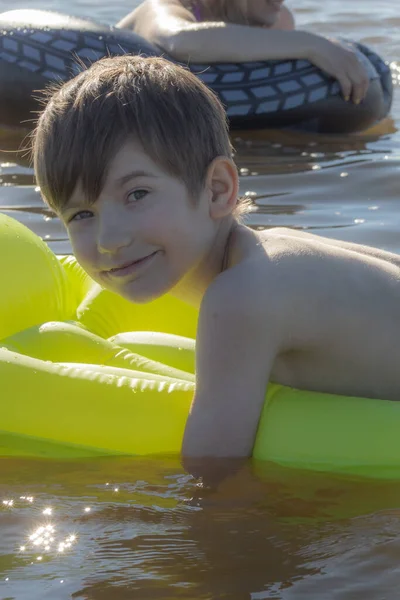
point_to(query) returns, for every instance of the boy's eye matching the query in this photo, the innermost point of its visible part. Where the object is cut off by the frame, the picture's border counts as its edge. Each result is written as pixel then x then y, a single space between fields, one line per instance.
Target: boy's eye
pixel 81 215
pixel 137 195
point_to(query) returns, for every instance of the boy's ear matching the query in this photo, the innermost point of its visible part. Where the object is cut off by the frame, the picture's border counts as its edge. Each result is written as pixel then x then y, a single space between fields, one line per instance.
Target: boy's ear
pixel 222 182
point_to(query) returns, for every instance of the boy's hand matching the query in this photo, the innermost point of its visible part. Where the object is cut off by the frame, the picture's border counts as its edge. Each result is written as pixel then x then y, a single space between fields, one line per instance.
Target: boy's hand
pixel 342 63
pixel 236 347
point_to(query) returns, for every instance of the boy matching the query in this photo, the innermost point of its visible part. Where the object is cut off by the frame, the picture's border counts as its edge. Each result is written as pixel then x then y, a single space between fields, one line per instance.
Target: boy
pixel 134 156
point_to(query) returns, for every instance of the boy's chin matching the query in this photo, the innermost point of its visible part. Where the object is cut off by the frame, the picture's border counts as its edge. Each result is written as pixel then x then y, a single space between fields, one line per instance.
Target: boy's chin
pixel 140 296
pixel 137 294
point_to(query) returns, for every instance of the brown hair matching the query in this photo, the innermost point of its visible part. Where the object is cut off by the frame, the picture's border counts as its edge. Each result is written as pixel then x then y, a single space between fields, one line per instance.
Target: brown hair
pixel 179 122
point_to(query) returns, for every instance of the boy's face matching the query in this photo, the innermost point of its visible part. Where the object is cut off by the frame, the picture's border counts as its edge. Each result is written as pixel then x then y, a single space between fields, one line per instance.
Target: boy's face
pixel 143 234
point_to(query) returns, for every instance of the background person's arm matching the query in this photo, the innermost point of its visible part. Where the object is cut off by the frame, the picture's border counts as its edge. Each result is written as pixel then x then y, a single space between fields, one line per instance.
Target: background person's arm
pixel 221 42
pixel 166 23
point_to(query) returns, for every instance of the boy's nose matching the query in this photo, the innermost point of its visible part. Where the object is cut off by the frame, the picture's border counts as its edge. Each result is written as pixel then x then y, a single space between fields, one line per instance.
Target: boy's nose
pixel 113 234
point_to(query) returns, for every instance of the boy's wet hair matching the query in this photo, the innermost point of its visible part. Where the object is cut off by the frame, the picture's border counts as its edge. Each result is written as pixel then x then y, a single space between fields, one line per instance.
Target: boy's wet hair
pixel 179 122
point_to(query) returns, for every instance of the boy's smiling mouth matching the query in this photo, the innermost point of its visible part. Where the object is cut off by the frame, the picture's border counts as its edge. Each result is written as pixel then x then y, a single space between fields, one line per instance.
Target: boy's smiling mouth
pixel 129 267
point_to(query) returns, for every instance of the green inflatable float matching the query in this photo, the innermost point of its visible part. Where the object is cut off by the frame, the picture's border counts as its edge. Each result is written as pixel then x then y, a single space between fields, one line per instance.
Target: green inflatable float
pixel 73 384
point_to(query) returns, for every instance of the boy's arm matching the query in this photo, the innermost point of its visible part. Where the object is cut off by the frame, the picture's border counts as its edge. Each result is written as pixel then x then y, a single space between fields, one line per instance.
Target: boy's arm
pixel 236 348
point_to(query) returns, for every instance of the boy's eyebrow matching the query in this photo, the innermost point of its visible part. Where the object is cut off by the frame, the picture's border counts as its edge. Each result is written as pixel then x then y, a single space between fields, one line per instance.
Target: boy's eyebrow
pixel 119 182
pixel 132 175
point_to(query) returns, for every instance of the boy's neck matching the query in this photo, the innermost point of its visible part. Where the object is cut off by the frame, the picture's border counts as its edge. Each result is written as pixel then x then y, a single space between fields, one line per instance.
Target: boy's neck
pixel 193 287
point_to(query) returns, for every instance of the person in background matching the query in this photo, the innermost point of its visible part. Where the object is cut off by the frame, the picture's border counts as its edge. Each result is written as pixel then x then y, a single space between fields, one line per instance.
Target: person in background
pixel 206 31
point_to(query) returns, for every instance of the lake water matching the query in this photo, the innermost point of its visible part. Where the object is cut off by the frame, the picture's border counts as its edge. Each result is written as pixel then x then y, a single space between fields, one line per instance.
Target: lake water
pixel 142 528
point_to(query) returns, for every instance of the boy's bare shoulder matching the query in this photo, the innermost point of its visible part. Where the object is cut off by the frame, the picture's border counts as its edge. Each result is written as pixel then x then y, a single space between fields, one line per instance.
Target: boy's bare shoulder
pixel 261 259
pixel 257 288
pixel 260 268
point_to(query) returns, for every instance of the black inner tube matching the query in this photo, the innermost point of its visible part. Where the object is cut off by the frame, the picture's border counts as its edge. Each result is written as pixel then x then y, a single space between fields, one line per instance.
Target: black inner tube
pixel 40 47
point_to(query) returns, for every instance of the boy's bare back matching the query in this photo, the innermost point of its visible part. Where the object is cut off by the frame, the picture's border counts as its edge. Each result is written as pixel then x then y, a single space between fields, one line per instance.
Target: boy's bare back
pixel 338 309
